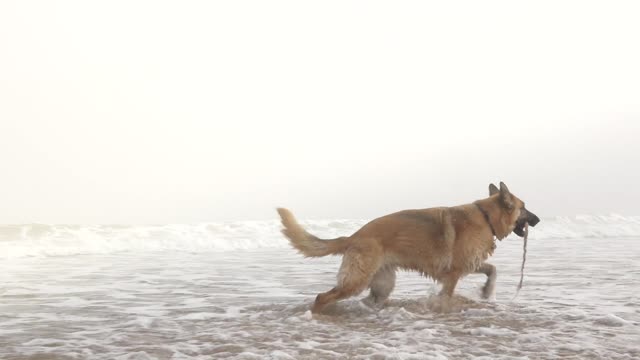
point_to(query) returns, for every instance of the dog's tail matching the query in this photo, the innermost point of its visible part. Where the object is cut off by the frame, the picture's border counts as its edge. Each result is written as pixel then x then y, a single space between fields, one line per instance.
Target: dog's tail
pixel 307 244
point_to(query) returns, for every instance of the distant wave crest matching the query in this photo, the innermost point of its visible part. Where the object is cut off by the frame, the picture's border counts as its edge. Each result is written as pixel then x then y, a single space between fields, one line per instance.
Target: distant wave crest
pixel 41 240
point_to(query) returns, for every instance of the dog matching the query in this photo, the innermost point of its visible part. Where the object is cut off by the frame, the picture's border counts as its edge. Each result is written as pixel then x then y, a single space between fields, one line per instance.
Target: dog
pixel 444 243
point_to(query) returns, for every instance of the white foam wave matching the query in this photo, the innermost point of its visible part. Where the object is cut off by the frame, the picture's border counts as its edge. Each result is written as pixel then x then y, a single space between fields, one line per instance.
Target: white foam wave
pixel 40 240
pixel 587 226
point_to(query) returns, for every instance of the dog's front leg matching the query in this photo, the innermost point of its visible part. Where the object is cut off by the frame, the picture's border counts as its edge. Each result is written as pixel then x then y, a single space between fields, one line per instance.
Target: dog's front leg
pixel 491 272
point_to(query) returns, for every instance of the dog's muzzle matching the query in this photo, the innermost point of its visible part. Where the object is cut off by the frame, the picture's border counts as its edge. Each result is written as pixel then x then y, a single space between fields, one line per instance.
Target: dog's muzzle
pixel 526 217
pixel 532 218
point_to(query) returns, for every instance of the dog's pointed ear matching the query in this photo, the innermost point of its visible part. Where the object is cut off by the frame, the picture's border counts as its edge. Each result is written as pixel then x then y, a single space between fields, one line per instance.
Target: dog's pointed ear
pixel 493 190
pixel 505 196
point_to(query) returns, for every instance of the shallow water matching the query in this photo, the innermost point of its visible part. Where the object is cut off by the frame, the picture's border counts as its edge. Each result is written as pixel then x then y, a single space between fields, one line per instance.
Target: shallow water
pixel 581 300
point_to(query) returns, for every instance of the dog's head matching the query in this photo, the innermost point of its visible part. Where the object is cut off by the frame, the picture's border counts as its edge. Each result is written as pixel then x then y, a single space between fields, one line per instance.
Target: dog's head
pixel 514 208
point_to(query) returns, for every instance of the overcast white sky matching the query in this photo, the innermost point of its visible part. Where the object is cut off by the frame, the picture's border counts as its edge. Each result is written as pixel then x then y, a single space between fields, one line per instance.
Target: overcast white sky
pixel 156 112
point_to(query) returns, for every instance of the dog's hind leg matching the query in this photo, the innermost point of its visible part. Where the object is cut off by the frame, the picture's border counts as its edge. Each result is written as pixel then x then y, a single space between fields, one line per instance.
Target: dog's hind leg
pixel 489 286
pixel 357 269
pixel 381 285
pixel 449 283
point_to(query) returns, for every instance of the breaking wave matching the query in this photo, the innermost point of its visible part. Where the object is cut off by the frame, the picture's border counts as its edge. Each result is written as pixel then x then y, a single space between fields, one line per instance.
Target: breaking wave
pixel 41 240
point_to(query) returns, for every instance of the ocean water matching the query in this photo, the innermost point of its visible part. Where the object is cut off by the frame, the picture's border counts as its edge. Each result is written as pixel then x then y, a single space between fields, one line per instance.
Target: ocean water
pixel 238 291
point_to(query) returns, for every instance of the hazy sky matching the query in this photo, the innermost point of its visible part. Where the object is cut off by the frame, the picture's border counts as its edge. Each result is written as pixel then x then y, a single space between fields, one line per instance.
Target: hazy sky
pixel 156 112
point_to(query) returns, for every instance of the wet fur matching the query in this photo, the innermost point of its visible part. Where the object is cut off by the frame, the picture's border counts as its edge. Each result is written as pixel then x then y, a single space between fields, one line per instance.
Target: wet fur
pixel 444 243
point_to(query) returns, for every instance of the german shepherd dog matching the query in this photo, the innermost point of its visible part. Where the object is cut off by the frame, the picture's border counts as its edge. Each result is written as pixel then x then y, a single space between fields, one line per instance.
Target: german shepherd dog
pixel 444 243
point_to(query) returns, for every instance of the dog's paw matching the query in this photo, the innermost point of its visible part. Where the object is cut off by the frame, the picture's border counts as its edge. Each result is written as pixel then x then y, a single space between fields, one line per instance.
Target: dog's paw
pixel 307 315
pixel 487 292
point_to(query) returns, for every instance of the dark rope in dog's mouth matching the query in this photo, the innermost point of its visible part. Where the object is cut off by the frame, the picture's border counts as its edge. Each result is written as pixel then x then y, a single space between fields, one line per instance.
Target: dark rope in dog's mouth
pixel 524 258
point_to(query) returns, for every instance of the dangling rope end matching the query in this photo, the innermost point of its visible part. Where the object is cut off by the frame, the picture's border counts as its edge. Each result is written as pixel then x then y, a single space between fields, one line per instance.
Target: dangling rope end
pixel 524 259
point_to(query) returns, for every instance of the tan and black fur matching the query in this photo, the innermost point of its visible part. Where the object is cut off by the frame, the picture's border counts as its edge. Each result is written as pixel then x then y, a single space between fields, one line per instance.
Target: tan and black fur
pixel 444 243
